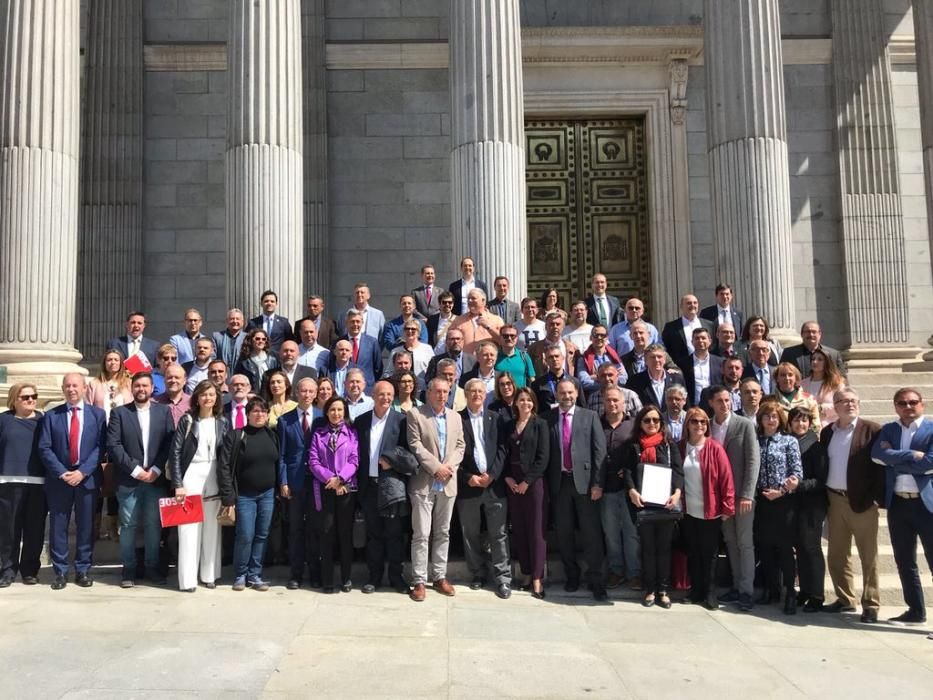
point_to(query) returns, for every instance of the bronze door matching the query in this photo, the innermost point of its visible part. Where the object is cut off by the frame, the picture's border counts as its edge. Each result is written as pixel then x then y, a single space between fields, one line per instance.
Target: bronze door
pixel 587 207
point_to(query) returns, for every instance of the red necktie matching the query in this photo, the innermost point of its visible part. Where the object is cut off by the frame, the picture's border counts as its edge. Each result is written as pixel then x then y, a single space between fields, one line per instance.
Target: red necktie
pixel 74 436
pixel 427 294
pixel 356 350
pixel 240 419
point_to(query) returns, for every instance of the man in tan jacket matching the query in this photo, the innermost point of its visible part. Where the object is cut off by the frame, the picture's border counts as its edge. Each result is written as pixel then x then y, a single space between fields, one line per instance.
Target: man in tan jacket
pixel 435 436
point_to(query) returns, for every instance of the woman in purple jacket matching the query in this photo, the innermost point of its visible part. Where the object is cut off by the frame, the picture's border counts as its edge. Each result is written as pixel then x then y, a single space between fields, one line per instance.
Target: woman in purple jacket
pixel 333 459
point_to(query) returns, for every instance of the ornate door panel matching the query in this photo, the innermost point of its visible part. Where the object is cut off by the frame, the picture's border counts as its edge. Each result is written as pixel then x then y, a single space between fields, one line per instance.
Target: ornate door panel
pixel 587 207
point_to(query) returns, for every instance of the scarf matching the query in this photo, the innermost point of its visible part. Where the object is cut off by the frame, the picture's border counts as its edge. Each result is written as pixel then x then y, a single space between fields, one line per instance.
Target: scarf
pixel 649 443
pixel 334 433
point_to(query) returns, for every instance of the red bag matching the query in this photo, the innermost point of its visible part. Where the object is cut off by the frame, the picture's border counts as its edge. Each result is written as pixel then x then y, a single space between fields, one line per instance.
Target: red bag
pixel 172 513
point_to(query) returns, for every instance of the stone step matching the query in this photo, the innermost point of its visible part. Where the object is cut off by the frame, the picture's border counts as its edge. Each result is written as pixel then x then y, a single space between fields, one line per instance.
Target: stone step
pixel 889 586
pixel 886 563
pixel 861 377
pixel 885 393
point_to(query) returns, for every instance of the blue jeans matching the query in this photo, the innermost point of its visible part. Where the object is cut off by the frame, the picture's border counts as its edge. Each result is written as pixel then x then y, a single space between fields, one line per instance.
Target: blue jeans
pixel 139 505
pixel 622 545
pixel 253 518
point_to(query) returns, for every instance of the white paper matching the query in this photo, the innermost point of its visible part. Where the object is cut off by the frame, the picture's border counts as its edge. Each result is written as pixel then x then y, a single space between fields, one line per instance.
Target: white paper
pixel 656 484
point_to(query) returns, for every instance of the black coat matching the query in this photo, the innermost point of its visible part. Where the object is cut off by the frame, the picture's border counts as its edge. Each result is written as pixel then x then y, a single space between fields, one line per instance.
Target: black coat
pixel 534 447
pixel 185 445
pixel 633 467
pixel 810 495
pixel 494 444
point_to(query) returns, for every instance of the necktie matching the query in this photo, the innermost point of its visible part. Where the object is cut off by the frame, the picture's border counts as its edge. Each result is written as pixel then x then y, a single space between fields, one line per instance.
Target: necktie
pixel 134 347
pixel 603 316
pixel 762 379
pixel 305 427
pixel 427 294
pixel 74 435
pixel 356 349
pixel 240 420
pixel 565 442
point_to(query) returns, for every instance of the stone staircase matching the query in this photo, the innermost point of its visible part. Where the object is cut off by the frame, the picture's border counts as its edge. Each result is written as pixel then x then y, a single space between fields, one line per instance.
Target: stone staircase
pixel 876 387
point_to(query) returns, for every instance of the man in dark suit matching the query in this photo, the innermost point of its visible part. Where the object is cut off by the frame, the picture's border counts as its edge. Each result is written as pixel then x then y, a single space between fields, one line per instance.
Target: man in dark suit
pixel 701 369
pixel 139 438
pixel 481 491
pixel 508 311
pixel 634 360
pixel 134 342
pixel 601 308
pixel 677 335
pixel 726 345
pixel 576 475
pixel 326 327
pixel 427 296
pixel 812 336
pixel 294 429
pixel 71 442
pixel 381 432
pixel 277 328
pixel 723 311
pixel 855 490
pixel 462 286
pixel 439 323
pixel 905 448
pixel 758 367
pixel 229 341
pixel 454 344
pixel 545 385
pixel 288 363
pixel 652 384
pixel 364 349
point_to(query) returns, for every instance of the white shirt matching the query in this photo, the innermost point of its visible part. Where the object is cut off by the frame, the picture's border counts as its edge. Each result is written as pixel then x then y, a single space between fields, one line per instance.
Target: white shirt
pixel 658 386
pixel 142 415
pixel 479 447
pixel 579 336
pixel 133 345
pixel 906 483
pixel 724 314
pixel 360 406
pixel 719 431
pixel 233 416
pixel 529 333
pixel 316 356
pixel 207 440
pixel 693 482
pixel 701 376
pixel 466 288
pixel 601 305
pixel 375 442
pixel 838 453
pixel 689 327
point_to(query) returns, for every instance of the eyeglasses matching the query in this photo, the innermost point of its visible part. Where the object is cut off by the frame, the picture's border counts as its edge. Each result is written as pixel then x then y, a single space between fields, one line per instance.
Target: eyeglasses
pixel 506 384
pixel 907 403
pixel 848 402
pixel 508 336
pixel 411 330
pixel 28 397
pixel 698 421
pixel 448 301
pixel 650 420
pixel 192 320
pixel 600 335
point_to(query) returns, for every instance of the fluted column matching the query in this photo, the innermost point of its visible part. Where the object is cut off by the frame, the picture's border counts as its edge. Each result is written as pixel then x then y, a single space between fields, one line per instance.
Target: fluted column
pixel 317 246
pixel 39 132
pixel 488 139
pixel 110 228
pixel 872 226
pixel 747 131
pixel 264 182
pixel 923 38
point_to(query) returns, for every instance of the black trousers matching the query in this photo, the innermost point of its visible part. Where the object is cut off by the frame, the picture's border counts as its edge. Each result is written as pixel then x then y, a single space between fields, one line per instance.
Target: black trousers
pixel 811 566
pixel 656 539
pixel 385 539
pixel 702 540
pixel 302 544
pixel 775 534
pixel 334 523
pixel 570 506
pixel 22 528
pixel 909 519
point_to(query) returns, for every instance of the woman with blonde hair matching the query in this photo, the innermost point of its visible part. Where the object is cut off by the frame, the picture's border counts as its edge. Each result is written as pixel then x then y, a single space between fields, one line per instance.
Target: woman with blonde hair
pixel 111 387
pixel 790 393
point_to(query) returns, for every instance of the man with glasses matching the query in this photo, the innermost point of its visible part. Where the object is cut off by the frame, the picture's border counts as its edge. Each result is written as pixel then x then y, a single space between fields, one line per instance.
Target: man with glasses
pixel 235 411
pixel 325 328
pixel 855 488
pixel 394 332
pixel 184 342
pixel 453 350
pixel 478 323
pixel 619 337
pixel 438 324
pixel 905 448
pixel 597 354
pixel 228 342
pixel 652 384
pixel 513 359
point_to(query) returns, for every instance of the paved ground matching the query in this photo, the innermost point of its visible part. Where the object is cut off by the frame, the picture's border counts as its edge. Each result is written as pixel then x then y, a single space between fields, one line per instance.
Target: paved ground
pixel 149 642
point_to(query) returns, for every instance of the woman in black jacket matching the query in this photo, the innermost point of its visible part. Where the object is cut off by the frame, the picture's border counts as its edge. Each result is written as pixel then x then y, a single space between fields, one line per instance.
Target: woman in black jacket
pixel 811 505
pixel 649 445
pixel 528 452
pixel 192 468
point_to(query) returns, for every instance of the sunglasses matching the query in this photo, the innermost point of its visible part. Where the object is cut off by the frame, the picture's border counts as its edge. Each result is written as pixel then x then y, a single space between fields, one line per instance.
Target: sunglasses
pixel 28 397
pixel 600 335
pixel 907 404
pixel 698 421
pixel 650 420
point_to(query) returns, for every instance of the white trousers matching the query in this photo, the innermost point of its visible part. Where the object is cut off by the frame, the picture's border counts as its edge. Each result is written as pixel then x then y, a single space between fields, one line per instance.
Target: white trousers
pixel 199 543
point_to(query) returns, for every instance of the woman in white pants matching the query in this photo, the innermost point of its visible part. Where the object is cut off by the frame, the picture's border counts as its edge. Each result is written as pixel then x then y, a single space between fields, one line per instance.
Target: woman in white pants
pixel 193 468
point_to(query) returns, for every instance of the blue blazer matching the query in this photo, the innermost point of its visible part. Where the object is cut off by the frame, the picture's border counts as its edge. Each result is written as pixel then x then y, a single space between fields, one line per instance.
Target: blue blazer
pixel 125 441
pixel 53 443
pixel 293 449
pixel 903 462
pixel 149 347
pixel 281 330
pixel 369 359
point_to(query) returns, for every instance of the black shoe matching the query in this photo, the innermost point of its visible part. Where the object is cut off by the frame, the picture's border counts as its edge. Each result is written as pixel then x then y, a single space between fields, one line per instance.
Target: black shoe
pixel 745 602
pixel 869 616
pixel 84 580
pixel 6 582
pixel 504 591
pixel 911 617
pixel 838 607
pixel 599 593
pixel 347 586
pixel 572 585
pixel 368 588
pixel 156 577
pixel 316 583
pixel 59 582
pixel 815 605
pixel 400 586
pixel 730 596
pixel 790 603
pixel 328 590
pixel 767 597
pixel 30 580
pixel 538 594
pixel 802 598
pixel 477 583
pixel 293 584
pixel 711 602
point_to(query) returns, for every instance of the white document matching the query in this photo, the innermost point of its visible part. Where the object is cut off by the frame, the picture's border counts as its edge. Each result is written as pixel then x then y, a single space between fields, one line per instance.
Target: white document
pixel 656 484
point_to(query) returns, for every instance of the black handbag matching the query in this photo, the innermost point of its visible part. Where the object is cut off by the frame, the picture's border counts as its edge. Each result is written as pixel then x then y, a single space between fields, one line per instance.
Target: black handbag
pixel 659 515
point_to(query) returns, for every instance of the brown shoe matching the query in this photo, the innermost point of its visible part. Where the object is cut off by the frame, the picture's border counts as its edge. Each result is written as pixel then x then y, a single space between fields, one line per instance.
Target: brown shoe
pixel 614 581
pixel 634 583
pixel 417 592
pixel 442 585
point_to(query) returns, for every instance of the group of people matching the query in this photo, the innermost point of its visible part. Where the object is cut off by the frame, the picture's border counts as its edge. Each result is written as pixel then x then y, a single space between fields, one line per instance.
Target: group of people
pixel 637 443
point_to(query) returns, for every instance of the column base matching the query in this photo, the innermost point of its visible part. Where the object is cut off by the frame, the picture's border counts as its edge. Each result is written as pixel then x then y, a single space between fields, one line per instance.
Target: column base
pixel 905 357
pixel 43 367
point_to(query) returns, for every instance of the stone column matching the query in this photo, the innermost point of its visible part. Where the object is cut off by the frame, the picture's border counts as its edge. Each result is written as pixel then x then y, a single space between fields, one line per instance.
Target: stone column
pixel 317 246
pixel 39 132
pixel 487 163
pixel 264 181
pixel 923 38
pixel 872 226
pixel 747 130
pixel 110 230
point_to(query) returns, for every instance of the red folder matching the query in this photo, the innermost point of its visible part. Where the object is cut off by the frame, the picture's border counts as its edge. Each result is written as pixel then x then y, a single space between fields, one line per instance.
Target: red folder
pixel 189 511
pixel 137 363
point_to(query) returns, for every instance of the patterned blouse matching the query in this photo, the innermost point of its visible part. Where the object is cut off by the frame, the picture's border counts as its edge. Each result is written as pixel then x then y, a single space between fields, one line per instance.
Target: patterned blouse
pixel 780 460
